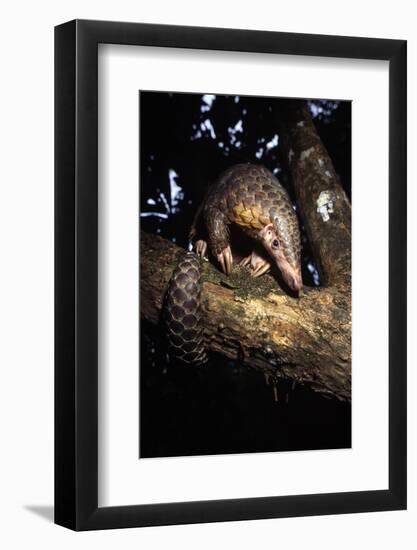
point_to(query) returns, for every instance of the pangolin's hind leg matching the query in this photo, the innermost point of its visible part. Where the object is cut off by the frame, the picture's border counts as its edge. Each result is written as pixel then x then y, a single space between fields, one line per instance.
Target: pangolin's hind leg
pixel 257 264
pixel 219 238
pixel 200 248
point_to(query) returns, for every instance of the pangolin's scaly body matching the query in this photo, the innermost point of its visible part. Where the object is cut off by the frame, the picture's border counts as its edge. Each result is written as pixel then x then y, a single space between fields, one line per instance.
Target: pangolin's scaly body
pixel 251 198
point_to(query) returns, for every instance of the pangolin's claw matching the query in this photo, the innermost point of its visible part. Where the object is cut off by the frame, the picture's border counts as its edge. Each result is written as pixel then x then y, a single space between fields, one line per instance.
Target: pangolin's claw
pixel 229 260
pixel 225 259
pixel 246 261
pixel 261 269
pixel 201 248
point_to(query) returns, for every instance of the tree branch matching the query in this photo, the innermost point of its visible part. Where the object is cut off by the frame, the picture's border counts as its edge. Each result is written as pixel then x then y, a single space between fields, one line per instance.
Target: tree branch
pixel 305 340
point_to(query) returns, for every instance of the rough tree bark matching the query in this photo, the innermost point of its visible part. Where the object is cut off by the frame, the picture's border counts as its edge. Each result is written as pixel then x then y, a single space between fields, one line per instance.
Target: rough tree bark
pixel 306 339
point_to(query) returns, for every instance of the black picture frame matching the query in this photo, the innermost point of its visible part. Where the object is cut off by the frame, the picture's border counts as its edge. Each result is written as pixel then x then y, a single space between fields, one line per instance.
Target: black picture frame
pixel 76 270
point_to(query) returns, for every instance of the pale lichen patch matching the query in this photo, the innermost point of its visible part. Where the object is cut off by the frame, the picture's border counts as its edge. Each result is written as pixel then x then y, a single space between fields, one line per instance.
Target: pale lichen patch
pixel 290 155
pixel 305 154
pixel 278 299
pixel 325 204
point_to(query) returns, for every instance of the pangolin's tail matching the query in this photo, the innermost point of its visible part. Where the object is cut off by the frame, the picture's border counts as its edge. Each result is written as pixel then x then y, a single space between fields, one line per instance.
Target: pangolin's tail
pixel 183 312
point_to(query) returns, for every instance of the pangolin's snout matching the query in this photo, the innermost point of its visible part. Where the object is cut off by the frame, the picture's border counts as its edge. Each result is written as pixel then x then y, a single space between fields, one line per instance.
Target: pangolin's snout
pixel 295 283
pixel 292 278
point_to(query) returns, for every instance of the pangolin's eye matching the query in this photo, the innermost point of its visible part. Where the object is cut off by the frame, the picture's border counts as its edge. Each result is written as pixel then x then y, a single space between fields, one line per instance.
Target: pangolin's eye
pixel 275 243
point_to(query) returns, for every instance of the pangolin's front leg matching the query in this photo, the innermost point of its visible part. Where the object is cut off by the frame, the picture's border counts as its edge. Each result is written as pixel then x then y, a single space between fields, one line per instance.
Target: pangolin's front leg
pixel 219 238
pixel 257 263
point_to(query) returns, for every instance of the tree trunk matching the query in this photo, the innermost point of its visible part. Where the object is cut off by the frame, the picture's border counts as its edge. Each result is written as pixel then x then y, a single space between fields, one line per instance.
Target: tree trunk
pixel 324 207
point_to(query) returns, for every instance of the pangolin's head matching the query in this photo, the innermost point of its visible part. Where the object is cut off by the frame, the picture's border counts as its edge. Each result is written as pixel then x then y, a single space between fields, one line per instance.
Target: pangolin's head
pixel 281 240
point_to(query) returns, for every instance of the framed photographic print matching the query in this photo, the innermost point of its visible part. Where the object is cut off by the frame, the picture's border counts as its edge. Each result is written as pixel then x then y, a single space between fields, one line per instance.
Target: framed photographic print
pixel 230 275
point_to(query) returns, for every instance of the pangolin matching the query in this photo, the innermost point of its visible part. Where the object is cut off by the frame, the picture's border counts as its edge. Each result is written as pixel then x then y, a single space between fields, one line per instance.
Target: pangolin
pixel 250 197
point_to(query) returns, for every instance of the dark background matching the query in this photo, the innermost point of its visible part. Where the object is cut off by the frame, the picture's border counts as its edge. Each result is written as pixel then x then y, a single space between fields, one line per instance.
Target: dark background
pixel 186 141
